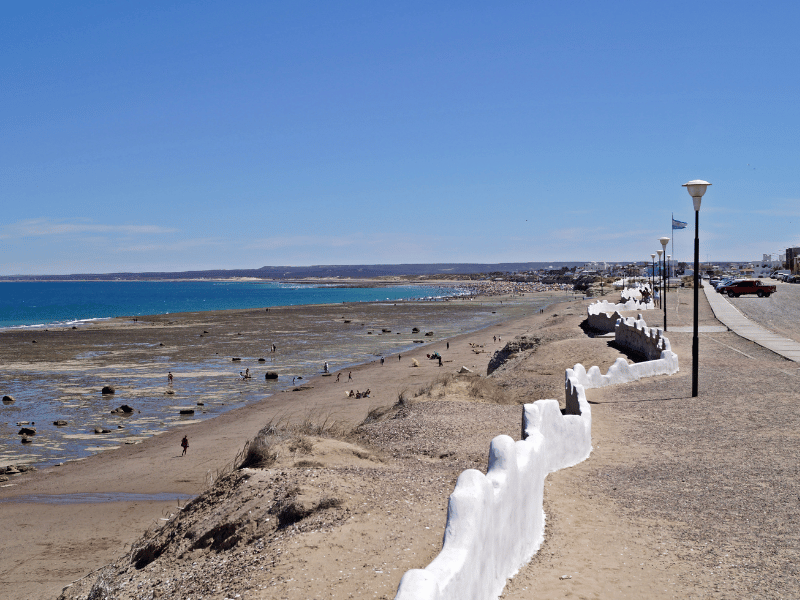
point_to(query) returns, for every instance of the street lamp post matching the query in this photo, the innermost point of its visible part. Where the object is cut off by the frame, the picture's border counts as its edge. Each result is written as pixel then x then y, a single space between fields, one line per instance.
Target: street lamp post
pixel 653 276
pixel 669 269
pixel 664 241
pixel 660 279
pixel 696 189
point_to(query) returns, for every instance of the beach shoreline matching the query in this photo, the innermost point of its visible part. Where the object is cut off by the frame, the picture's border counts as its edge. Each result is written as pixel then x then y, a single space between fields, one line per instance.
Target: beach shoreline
pixel 151 466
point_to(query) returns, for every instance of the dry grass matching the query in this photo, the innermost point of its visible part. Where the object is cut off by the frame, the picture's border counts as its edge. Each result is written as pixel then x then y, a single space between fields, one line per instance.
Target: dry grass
pixel 262 451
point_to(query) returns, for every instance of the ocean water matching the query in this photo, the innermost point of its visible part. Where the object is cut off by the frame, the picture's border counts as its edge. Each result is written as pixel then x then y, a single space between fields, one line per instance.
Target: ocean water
pixel 38 304
pixel 68 389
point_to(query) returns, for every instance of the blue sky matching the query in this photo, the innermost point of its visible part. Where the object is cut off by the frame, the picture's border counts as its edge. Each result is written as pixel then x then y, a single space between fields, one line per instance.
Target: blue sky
pixel 196 135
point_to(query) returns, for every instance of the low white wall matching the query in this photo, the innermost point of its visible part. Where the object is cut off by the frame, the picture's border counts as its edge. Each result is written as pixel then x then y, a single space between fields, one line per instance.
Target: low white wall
pixel 604 306
pixel 636 335
pixel 495 522
pixel 603 321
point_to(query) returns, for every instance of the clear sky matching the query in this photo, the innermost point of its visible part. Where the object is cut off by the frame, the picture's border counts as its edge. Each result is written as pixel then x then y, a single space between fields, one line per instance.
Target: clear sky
pixel 206 134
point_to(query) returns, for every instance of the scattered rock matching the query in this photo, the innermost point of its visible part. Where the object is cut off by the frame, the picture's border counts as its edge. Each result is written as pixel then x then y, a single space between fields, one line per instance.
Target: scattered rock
pixel 270 375
pixel 26 440
pixel 205 332
pixel 108 390
pixel 3 478
pixel 521 343
pixel 33 341
pixel 349 321
pixel 25 468
pixel 419 341
pixel 169 392
pixel 8 399
pixel 369 333
pixel 161 344
pixel 187 411
pixel 74 327
pixel 235 358
pixel 60 423
pixel 27 431
pixel 12 470
pixel 464 370
pixel 262 360
pixel 415 330
pixel 200 403
pixel 386 330
pixel 101 430
pixel 122 410
pixel 563 577
pixel 429 334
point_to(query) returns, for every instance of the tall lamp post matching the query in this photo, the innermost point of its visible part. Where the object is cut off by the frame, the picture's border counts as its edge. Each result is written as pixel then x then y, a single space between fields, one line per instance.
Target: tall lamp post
pixel 696 189
pixel 653 276
pixel 660 279
pixel 664 241
pixel 669 269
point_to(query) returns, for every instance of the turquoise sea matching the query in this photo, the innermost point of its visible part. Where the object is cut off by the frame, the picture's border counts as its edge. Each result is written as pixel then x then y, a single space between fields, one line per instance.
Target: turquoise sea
pixel 46 391
pixel 37 304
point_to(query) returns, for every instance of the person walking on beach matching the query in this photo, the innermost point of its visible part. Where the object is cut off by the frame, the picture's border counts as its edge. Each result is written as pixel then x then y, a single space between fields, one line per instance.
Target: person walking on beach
pixel 448 345
pixel 169 377
pixel 184 445
pixel 337 377
pixel 350 376
pixel 381 361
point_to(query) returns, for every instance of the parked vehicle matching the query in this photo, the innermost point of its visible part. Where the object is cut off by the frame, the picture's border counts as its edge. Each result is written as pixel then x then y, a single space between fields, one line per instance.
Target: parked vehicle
pixel 723 282
pixel 747 286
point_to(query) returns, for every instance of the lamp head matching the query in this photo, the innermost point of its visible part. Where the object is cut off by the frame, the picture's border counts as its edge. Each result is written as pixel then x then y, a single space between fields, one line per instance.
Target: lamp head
pixel 696 189
pixel 660 252
pixel 664 241
pixel 653 256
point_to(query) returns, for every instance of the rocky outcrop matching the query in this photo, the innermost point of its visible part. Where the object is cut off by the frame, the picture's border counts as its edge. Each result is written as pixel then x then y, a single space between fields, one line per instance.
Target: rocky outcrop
pixel 513 350
pixel 8 399
pixel 60 423
pixel 122 410
pixel 27 431
pixel 101 430
pixel 270 375
pixel 108 390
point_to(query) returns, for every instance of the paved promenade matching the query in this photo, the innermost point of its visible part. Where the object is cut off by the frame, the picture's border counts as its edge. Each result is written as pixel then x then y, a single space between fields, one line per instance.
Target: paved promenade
pixel 741 325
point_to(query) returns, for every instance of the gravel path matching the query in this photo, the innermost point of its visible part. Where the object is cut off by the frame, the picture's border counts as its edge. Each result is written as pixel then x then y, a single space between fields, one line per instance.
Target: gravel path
pixel 722 468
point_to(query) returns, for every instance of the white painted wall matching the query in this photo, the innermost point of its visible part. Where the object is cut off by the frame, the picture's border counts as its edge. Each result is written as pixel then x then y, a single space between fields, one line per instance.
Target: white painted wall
pixel 495 522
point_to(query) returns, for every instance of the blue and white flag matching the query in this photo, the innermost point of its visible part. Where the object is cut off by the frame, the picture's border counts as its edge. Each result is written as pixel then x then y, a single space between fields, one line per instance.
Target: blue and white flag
pixel 678 224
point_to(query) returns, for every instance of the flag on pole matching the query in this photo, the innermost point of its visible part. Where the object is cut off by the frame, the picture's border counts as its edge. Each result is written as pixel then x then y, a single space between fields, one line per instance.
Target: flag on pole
pixel 678 224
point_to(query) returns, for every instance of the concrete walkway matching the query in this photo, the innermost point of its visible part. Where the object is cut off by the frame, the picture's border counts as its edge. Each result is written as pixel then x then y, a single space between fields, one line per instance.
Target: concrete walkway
pixel 744 327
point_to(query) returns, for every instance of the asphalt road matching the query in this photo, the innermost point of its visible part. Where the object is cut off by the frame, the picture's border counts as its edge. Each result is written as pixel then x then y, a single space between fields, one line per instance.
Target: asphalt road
pixel 779 313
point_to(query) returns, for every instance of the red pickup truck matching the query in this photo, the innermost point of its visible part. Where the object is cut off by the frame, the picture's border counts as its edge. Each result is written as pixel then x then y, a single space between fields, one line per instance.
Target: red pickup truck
pixel 747 286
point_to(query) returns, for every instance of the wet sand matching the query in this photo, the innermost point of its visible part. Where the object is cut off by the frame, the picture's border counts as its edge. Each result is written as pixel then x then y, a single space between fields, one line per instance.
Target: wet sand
pixel 46 546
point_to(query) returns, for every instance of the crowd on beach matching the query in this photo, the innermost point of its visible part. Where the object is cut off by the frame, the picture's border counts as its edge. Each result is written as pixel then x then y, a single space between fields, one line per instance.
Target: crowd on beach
pixel 510 288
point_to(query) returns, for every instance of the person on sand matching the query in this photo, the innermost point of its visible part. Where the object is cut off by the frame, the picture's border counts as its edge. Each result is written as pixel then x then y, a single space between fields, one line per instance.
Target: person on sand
pixel 440 361
pixel 184 445
pixel 381 361
pixel 350 376
pixel 325 368
pixel 337 377
pixel 169 377
pixel 247 373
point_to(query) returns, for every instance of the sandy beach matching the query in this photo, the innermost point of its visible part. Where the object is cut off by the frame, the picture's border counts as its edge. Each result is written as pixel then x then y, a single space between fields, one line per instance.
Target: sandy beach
pixel 681 497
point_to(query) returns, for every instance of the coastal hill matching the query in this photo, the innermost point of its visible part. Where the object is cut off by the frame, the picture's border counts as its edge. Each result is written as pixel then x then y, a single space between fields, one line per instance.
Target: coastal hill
pixel 441 270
